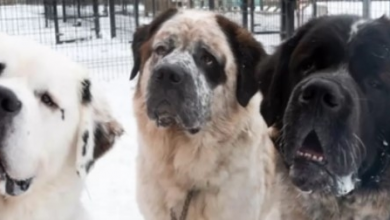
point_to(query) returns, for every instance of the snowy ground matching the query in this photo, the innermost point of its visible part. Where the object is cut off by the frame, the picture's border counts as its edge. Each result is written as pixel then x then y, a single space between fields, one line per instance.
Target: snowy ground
pixel 110 189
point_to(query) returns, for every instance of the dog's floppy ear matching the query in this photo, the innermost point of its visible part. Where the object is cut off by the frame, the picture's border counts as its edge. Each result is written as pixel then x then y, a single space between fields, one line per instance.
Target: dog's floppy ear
pixel 273 80
pixel 98 129
pixel 248 53
pixel 145 33
pixel 140 36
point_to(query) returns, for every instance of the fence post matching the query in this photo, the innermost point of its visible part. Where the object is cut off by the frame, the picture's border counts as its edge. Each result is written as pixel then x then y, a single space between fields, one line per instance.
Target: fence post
pixel 46 13
pixel 136 12
pixel 366 9
pixel 252 16
pixel 244 9
pixel 154 8
pixel 211 4
pixel 111 8
pixel 55 18
pixel 314 3
pixel 287 18
pixel 95 8
pixel 78 9
pixel 63 11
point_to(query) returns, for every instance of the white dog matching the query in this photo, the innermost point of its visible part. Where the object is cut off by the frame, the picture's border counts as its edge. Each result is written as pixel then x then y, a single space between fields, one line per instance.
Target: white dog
pixel 53 126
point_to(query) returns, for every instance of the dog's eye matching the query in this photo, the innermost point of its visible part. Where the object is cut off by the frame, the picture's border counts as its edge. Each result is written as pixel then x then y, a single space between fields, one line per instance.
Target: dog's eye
pixel 47 100
pixel 207 59
pixel 161 50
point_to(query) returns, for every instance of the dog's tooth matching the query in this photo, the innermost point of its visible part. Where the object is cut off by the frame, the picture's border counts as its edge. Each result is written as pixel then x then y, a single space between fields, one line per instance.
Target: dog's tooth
pixel 321 158
pixel 315 158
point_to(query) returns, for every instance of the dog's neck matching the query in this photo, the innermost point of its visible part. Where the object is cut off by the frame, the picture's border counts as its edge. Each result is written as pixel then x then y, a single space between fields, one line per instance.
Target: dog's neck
pixel 209 151
pixel 59 197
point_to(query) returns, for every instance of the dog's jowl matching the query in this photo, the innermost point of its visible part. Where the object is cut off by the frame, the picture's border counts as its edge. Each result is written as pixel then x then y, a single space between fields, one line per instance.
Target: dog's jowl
pixel 196 104
pixel 49 114
pixel 327 92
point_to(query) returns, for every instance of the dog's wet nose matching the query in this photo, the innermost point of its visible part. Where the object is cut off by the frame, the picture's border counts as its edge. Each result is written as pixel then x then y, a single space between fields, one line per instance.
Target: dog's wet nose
pixel 9 102
pixel 322 92
pixel 170 75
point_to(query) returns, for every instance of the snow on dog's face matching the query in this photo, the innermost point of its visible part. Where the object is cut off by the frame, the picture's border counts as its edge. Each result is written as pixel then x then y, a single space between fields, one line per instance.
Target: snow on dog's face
pixel 51 118
pixel 195 66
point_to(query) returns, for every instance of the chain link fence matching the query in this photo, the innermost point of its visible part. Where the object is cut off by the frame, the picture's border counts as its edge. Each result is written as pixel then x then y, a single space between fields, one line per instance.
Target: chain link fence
pixel 98 33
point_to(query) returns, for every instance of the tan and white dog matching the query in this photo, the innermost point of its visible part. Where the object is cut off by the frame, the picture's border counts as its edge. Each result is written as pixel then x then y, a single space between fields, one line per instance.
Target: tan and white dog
pixel 53 126
pixel 197 109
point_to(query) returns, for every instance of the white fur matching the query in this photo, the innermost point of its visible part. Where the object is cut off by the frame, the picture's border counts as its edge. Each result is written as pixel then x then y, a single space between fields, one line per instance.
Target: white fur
pixel 40 143
pixel 356 27
pixel 345 184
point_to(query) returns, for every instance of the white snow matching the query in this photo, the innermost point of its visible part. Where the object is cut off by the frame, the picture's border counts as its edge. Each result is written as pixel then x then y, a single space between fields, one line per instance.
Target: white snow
pixel 110 188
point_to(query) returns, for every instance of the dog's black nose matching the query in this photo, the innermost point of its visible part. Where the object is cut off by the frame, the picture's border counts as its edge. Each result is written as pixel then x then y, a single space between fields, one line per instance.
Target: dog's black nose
pixel 323 92
pixel 9 103
pixel 169 74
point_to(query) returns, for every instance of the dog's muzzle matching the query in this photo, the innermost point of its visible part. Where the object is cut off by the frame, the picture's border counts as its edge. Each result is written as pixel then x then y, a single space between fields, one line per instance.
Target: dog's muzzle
pixel 174 98
pixel 10 107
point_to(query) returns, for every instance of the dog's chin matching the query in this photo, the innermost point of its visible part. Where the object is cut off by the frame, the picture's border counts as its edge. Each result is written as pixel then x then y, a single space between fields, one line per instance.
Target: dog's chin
pixel 166 116
pixel 309 176
pixel 13 187
pixel 310 169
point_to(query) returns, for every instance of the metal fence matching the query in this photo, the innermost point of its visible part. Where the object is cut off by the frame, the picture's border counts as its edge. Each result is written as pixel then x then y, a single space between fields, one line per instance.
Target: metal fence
pixel 98 33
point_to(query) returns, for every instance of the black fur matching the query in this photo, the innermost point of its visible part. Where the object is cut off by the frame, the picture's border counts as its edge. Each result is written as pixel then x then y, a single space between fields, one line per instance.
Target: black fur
pixel 359 126
pixel 104 138
pixel 248 53
pixel 215 73
pixel 85 140
pixel 143 34
pixel 86 96
pixel 63 114
pixel 2 67
pixel 89 165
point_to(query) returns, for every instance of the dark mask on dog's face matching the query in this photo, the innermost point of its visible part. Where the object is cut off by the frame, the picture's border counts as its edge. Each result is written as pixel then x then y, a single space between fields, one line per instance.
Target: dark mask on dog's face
pixel 325 91
pixel 193 70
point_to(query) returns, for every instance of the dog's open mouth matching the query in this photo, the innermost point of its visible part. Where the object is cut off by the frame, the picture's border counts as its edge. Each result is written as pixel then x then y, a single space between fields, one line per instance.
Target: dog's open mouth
pixel 311 149
pixel 14 187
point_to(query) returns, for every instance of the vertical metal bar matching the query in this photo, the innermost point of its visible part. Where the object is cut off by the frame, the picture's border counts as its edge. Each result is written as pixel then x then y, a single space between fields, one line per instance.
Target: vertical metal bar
pixel 63 11
pixel 56 26
pixel 136 12
pixel 366 9
pixel 287 18
pixel 314 3
pixel 252 16
pixel 112 17
pixel 211 4
pixel 78 9
pixel 190 3
pixel 244 9
pixel 154 7
pixel 290 22
pixel 95 8
pixel 283 13
pixel 46 13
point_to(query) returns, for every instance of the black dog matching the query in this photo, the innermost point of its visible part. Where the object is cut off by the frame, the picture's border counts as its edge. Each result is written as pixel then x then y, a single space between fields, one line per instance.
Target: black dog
pixel 327 93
